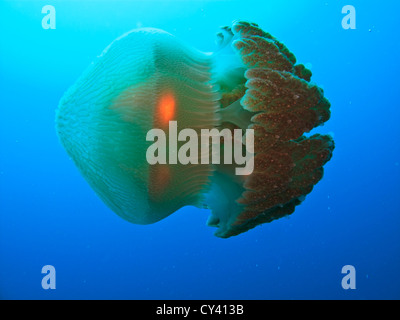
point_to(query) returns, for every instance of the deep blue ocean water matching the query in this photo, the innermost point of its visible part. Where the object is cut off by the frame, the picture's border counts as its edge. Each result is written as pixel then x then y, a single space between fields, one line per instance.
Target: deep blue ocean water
pixel 50 216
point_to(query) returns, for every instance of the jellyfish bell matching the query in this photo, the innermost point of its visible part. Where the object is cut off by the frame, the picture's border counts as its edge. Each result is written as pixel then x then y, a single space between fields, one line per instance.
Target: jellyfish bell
pixel 147 78
pixel 141 81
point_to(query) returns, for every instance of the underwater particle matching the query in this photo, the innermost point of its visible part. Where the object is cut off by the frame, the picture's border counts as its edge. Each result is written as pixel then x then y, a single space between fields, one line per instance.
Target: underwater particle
pixel 147 78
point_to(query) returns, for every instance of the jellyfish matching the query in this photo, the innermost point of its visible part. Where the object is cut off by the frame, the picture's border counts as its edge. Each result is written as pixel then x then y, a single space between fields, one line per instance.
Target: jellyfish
pixel 147 78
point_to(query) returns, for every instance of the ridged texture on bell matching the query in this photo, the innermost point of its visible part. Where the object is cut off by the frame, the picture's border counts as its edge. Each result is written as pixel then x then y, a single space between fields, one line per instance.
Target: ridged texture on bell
pixel 103 119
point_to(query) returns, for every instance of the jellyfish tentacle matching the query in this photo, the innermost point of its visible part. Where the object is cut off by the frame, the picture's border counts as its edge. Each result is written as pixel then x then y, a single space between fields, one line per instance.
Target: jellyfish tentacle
pixel 263 53
pixel 290 106
pixel 276 191
pixel 224 37
pixel 257 40
pixel 284 105
pixel 259 49
pixel 302 72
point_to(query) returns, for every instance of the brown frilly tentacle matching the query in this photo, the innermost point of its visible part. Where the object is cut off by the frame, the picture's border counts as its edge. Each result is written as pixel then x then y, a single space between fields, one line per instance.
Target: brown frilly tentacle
pixel 285 105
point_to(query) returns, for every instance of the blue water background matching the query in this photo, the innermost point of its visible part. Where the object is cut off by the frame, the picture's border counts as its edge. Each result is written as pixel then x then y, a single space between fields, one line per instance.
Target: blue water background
pixel 49 214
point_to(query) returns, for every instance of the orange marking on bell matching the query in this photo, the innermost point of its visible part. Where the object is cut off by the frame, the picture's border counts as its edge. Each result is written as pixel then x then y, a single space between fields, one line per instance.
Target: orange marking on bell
pixel 166 108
